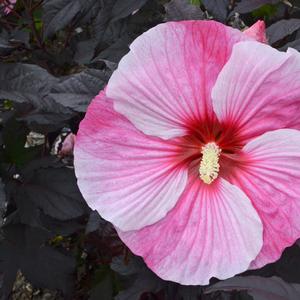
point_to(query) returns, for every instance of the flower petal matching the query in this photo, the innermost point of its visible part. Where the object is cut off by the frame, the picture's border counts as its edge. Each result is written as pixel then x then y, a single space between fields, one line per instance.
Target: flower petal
pixel 213 231
pixel 9 5
pixel 165 81
pixel 259 89
pixel 257 31
pixel 131 179
pixel 271 179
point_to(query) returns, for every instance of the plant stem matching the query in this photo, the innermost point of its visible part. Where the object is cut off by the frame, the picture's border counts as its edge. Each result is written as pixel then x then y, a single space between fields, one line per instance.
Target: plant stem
pixel 35 33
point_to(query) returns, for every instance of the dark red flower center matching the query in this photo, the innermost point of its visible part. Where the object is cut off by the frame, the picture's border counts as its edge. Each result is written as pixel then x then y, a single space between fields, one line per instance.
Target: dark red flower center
pixel 226 137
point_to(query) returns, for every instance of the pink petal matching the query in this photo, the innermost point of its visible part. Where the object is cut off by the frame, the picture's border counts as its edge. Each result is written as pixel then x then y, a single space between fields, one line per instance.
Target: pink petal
pixel 271 179
pixel 257 31
pixel 165 81
pixel 259 89
pixel 213 231
pixel 131 179
pixel 68 145
pixel 9 5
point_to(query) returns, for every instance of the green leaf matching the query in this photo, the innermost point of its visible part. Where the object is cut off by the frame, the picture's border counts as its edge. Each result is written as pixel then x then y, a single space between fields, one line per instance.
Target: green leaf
pixel 265 11
pixel 196 2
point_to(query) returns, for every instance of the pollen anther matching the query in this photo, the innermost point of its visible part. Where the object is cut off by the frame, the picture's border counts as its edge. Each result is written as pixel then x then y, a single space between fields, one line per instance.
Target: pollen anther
pixel 209 166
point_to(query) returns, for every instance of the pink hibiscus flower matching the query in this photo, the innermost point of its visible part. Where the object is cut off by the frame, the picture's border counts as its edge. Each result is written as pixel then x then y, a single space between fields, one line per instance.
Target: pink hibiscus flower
pixel 8 5
pixel 193 152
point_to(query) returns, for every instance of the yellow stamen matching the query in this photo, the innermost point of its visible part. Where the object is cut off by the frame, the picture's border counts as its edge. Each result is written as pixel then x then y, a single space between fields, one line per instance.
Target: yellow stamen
pixel 209 166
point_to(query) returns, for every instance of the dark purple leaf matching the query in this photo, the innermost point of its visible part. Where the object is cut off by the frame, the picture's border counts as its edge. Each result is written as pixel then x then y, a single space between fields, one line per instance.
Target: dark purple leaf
pixel 177 10
pixel 246 6
pixel 57 14
pixel 145 282
pixel 59 227
pixel 10 41
pixel 116 51
pixel 45 122
pixel 281 29
pixel 294 44
pixel 76 91
pixel 5 46
pixel 23 248
pixel 126 268
pixel 259 288
pixel 49 268
pixel 218 8
pixel 103 290
pixel 122 8
pixel 2 201
pixel 25 83
pixel 85 51
pixel 52 188
pixel 89 10
pixel 106 31
pixel 94 222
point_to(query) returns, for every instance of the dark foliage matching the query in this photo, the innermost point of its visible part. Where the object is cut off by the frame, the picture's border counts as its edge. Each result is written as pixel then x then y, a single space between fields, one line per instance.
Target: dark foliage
pixel 178 10
pixel 260 288
pixel 55 56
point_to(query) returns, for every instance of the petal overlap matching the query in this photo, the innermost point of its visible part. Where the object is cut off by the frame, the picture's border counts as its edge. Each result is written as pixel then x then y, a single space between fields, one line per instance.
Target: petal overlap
pixel 259 89
pixel 213 231
pixel 165 81
pixel 270 177
pixel 131 179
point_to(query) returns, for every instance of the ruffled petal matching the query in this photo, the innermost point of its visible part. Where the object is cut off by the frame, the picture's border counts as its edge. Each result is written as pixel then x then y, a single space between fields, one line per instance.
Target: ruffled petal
pixel 213 231
pixel 270 176
pixel 165 81
pixel 258 90
pixel 131 179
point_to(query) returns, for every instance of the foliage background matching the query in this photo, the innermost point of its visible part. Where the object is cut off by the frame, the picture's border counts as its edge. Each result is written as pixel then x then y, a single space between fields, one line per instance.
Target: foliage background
pixel 55 56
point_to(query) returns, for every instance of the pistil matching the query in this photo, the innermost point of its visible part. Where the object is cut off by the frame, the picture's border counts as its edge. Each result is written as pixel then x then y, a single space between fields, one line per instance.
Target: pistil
pixel 209 166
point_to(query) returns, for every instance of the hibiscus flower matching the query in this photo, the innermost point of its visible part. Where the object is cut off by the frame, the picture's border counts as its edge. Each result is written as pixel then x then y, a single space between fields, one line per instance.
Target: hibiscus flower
pixel 8 5
pixel 193 151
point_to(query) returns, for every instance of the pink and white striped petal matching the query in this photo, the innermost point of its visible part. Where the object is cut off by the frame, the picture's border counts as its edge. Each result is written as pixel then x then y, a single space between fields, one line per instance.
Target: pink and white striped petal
pixel 165 81
pixel 259 89
pixel 8 5
pixel 131 179
pixel 270 177
pixel 213 231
